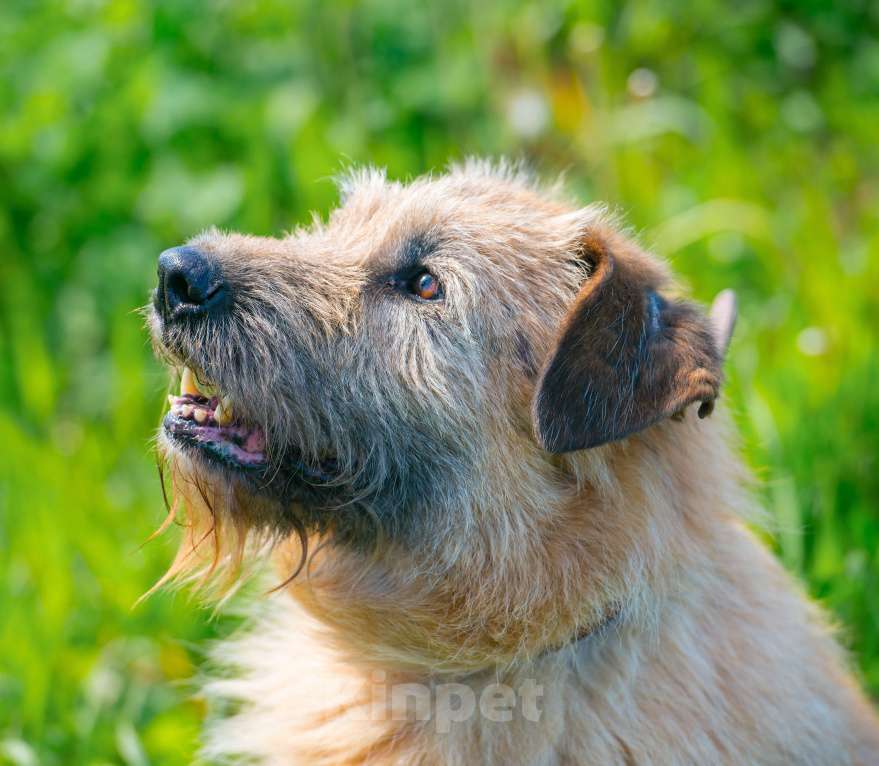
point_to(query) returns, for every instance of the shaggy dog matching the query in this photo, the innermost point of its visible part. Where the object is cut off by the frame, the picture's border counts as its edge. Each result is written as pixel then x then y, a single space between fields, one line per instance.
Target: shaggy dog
pixel 467 419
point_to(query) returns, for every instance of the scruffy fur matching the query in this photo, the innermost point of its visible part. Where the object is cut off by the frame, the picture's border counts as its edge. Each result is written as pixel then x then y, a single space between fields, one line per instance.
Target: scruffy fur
pixel 479 529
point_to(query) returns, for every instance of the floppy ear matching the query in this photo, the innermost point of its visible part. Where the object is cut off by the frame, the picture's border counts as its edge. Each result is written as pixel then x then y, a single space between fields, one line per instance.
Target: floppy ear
pixel 625 357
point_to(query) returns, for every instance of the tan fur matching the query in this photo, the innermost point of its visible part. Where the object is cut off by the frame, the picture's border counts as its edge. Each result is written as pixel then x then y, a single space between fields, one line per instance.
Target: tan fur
pixel 698 648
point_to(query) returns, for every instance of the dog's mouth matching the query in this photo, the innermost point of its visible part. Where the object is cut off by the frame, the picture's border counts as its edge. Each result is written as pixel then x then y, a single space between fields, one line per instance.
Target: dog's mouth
pixel 201 417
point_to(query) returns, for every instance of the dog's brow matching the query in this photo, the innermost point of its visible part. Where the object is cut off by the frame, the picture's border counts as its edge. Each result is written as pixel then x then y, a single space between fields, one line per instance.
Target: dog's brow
pixel 413 253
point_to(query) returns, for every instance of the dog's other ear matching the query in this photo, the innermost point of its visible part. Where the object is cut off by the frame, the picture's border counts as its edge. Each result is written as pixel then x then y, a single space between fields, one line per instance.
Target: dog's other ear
pixel 626 357
pixel 724 312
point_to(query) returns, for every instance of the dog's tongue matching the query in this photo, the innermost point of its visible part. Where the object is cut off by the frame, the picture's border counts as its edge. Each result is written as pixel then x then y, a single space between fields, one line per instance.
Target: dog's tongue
pixel 256 442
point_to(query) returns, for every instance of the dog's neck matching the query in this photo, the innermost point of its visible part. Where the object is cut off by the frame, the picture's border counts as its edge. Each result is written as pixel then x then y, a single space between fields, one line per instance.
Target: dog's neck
pixel 371 663
pixel 602 549
pixel 598 578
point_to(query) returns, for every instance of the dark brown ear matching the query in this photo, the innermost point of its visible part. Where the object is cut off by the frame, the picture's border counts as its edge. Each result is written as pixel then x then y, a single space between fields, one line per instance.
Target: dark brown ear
pixel 625 357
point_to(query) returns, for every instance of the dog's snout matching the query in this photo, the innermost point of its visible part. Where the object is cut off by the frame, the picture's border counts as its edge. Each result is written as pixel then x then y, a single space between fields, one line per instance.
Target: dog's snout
pixel 190 283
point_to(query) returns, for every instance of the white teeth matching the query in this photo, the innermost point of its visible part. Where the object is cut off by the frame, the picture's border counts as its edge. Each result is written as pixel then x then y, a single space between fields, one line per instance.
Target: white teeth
pixel 223 413
pixel 187 383
pixel 190 385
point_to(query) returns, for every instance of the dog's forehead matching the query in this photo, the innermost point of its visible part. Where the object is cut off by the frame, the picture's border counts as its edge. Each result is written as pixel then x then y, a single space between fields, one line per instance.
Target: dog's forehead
pixel 482 221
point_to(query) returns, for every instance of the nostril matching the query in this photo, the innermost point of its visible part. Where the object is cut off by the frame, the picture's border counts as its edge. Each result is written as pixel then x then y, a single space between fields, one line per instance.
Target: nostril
pixel 177 288
pixel 190 282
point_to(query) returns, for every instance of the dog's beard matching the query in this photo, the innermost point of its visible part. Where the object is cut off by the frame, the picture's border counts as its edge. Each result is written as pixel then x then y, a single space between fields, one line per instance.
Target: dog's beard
pixel 237 495
pixel 227 528
pixel 218 479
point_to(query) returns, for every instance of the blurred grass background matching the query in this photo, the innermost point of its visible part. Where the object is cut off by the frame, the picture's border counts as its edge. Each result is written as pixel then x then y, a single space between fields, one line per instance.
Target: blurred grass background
pixel 741 142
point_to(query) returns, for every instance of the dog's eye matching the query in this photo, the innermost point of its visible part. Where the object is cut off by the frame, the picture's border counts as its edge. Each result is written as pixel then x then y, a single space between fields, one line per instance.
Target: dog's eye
pixel 426 286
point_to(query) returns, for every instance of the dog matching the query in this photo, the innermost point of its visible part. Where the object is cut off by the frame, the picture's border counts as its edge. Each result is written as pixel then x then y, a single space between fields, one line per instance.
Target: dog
pixel 468 421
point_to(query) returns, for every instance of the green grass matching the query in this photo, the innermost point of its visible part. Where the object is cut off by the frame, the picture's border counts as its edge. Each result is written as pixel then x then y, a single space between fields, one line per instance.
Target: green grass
pixel 744 150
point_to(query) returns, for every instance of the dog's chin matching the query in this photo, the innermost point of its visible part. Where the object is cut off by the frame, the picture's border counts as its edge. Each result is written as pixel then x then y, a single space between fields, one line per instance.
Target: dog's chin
pixel 225 449
pixel 222 458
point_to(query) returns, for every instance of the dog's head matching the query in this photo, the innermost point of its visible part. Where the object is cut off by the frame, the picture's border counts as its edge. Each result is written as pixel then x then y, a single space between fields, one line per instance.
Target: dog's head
pixel 408 374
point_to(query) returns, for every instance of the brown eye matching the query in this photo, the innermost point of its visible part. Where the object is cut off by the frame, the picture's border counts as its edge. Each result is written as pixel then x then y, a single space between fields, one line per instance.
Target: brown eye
pixel 426 286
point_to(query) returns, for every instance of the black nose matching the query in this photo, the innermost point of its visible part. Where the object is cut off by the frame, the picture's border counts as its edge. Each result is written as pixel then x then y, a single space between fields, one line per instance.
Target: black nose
pixel 190 283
